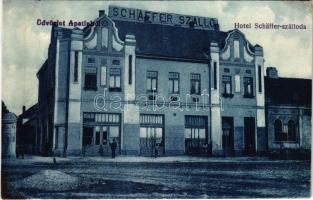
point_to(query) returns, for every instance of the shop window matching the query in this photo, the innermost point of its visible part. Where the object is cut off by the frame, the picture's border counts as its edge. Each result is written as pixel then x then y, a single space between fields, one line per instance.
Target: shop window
pixel 227 86
pixel 195 84
pixel 248 87
pixel 173 82
pixel 114 131
pixel 104 136
pixel 115 80
pixel 152 81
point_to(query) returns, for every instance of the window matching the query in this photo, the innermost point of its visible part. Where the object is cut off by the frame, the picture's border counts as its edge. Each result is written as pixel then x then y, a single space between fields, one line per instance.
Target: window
pixel 116 62
pixel 215 75
pixel 115 80
pixel 226 70
pixel 91 60
pixel 97 142
pixel 195 133
pixel 195 84
pixel 227 86
pixel 248 71
pixel 260 78
pixel 291 131
pixel 114 131
pixel 104 135
pixel 236 49
pixel 90 78
pixel 278 130
pixel 103 75
pixel 248 85
pixel 152 81
pixel 237 83
pixel 130 69
pixel 173 82
pixel 76 67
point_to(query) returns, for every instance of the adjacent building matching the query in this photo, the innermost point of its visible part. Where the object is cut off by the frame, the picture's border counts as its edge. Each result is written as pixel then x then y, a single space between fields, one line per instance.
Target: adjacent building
pixel 152 81
pixel 288 112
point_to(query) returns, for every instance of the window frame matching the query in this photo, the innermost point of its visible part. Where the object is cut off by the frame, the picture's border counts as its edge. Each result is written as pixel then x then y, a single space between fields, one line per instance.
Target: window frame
pixel 150 78
pixel 246 84
pixel 224 86
pixel 172 82
pixel 114 88
pixel 91 87
pixel 195 80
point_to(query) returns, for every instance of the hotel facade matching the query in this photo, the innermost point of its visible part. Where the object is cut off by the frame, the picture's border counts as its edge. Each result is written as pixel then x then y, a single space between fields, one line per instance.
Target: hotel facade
pixel 151 81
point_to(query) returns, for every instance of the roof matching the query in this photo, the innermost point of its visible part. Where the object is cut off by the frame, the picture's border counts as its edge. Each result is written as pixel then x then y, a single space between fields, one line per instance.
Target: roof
pixel 30 112
pixel 170 41
pixel 288 91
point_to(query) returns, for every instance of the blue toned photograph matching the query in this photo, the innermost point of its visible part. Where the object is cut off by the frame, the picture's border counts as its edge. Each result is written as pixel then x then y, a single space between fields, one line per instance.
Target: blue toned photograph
pixel 156 100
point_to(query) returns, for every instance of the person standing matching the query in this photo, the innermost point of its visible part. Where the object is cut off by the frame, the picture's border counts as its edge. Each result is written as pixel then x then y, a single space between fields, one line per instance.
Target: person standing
pixel 113 147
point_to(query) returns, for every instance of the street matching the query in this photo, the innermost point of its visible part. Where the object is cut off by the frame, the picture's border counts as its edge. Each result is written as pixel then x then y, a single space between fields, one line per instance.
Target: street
pixel 199 178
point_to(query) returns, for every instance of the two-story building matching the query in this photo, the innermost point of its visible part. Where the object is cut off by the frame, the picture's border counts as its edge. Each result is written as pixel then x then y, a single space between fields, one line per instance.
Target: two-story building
pixel 151 81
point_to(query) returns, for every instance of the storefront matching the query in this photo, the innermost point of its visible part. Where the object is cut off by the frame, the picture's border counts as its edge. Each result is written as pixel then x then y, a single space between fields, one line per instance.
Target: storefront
pixel 151 135
pixel 99 130
pixel 196 134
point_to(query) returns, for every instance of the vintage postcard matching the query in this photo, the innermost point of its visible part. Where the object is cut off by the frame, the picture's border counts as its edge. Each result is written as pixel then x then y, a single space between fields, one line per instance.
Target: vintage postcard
pixel 156 99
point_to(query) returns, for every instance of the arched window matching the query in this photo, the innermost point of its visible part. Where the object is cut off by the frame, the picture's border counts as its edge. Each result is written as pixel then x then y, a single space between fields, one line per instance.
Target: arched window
pixel 278 128
pixel 291 130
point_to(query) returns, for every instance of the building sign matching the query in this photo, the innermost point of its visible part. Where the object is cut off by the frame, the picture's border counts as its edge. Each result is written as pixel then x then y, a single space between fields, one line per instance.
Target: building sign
pixel 144 16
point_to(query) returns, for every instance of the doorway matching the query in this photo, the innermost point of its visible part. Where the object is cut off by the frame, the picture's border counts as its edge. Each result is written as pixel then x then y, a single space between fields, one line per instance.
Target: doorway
pixel 228 135
pixel 249 138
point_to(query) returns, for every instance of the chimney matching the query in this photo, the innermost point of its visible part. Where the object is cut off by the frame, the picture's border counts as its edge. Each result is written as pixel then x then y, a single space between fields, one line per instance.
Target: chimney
pixel 24 109
pixel 271 72
pixel 101 13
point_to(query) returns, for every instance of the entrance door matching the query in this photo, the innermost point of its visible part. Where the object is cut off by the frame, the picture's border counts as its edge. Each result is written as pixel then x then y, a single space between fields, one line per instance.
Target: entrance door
pixel 151 141
pixel 228 135
pixel 249 129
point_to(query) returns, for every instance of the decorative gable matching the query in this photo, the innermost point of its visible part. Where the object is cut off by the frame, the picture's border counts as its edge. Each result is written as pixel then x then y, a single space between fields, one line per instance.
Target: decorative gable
pixel 103 36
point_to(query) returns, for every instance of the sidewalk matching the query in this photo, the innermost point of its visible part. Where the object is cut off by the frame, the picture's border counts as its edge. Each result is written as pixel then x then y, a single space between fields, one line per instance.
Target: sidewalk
pixel 29 159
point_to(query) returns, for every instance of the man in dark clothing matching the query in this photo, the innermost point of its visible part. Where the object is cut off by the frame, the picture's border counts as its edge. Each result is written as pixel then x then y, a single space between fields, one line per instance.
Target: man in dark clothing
pixel 113 148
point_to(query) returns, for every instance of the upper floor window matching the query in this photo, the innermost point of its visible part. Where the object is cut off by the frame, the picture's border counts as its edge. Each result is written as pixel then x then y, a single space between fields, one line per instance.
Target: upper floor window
pixel 195 83
pixel 227 86
pixel 115 80
pixel 90 78
pixel 116 62
pixel 76 67
pixel 248 86
pixel 91 60
pixel 152 81
pixel 173 82
pixel 260 78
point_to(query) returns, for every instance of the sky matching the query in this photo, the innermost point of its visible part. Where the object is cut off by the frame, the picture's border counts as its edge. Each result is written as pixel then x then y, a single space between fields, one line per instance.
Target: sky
pixel 25 44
